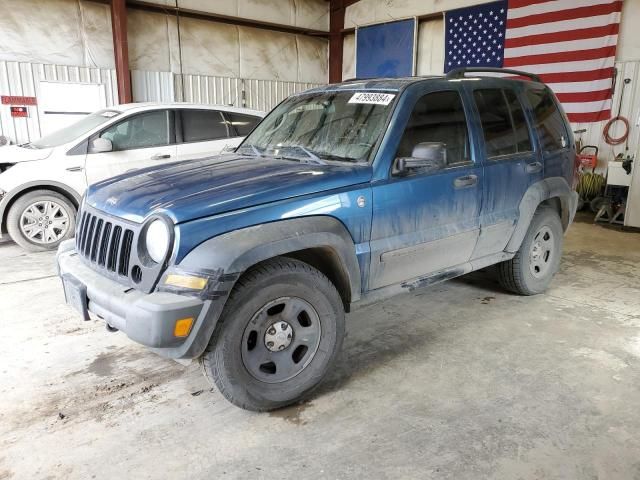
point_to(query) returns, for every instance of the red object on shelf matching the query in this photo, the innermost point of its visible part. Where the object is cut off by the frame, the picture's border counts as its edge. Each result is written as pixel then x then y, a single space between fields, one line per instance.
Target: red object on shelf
pixel 588 160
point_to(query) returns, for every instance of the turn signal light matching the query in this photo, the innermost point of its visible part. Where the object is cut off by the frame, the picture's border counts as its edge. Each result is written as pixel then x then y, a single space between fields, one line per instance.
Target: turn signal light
pixel 182 327
pixel 186 281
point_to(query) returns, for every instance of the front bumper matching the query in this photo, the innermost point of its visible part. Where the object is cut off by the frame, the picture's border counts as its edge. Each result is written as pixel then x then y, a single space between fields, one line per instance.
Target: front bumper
pixel 148 319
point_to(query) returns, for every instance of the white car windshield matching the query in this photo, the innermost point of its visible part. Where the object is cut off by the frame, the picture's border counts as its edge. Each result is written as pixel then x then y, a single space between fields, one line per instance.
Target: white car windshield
pixel 75 130
pixel 338 126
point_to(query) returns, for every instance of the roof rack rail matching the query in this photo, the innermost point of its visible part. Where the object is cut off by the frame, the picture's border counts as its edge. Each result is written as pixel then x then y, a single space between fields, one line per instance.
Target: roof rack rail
pixel 460 72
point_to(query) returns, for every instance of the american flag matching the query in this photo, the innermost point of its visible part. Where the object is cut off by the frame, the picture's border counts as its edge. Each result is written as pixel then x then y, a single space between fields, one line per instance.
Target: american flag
pixel 570 44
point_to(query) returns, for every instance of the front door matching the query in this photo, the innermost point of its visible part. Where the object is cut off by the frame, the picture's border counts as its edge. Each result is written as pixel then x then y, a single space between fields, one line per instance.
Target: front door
pixel 427 221
pixel 511 165
pixel 141 140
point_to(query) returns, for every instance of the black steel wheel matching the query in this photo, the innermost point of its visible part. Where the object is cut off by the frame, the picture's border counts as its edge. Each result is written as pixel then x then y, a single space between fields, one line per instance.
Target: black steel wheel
pixel 537 260
pixel 278 336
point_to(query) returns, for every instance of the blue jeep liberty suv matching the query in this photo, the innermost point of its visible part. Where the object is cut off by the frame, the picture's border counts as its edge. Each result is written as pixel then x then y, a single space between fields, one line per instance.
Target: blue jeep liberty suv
pixel 343 195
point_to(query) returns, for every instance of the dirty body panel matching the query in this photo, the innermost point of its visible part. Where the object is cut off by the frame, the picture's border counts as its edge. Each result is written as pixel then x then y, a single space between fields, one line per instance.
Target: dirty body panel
pixel 369 223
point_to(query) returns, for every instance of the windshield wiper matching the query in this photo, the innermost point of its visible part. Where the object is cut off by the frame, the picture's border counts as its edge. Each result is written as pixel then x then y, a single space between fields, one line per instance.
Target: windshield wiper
pixel 254 150
pixel 312 156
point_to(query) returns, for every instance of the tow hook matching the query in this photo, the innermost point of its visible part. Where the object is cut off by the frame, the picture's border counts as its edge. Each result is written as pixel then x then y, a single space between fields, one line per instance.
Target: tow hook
pixel 110 328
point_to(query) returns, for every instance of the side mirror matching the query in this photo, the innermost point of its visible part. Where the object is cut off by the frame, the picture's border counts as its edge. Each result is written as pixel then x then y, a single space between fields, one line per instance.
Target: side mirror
pixel 426 156
pixel 101 145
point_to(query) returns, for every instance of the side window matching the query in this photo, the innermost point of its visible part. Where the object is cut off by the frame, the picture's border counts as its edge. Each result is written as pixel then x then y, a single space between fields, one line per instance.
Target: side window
pixel 438 117
pixel 202 125
pixel 548 120
pixel 240 125
pixel 521 131
pixel 503 122
pixel 150 129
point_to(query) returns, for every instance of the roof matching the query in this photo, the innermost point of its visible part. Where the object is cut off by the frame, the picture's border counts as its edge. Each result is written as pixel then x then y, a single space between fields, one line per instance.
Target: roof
pixel 397 84
pixel 387 84
pixel 141 106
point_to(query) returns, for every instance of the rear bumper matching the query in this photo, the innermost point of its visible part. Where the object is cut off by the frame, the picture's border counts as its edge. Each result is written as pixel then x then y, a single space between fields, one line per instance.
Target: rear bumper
pixel 148 319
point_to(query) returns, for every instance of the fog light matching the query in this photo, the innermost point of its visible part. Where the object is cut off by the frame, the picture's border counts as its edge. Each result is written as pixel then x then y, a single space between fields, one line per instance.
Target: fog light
pixel 186 281
pixel 183 327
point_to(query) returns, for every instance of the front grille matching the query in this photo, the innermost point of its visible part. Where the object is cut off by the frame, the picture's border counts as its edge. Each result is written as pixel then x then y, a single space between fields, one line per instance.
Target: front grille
pixel 105 244
pixel 108 245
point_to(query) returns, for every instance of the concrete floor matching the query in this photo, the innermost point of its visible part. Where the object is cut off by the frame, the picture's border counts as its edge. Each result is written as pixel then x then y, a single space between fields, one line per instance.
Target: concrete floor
pixel 458 381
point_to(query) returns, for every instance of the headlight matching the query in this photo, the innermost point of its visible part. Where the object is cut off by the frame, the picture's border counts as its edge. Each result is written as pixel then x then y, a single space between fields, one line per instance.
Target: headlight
pixel 157 240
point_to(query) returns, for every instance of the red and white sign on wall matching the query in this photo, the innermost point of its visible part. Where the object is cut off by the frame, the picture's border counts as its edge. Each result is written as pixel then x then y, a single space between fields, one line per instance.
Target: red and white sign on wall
pixel 19 112
pixel 18 100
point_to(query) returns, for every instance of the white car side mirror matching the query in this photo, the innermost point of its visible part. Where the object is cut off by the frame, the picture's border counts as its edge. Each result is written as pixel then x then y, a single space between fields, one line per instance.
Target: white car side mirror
pixel 101 145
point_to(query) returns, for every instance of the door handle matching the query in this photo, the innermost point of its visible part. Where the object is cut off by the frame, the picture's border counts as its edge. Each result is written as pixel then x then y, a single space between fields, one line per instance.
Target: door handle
pixel 160 156
pixel 466 181
pixel 534 167
pixel 75 169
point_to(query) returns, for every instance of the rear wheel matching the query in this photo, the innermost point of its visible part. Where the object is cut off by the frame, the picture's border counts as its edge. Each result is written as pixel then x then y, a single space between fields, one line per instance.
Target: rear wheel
pixel 533 267
pixel 41 220
pixel 278 336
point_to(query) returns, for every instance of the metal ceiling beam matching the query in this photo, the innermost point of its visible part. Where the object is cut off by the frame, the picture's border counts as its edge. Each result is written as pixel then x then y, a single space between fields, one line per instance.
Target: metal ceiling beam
pixel 215 17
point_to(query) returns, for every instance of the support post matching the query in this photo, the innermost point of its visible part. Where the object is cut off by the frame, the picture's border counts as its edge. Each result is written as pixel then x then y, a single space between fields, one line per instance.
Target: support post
pixel 121 50
pixel 336 24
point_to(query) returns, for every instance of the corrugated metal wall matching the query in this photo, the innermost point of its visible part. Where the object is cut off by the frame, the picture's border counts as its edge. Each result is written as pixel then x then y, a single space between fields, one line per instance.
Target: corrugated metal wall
pixel 23 79
pixel 239 92
pixel 20 78
pixel 630 109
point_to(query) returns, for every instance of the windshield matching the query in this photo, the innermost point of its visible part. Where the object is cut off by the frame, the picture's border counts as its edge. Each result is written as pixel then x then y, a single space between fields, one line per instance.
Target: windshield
pixel 75 130
pixel 342 126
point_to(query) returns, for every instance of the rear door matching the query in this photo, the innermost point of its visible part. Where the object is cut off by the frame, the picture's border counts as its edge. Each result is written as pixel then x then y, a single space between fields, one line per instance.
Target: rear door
pixel 510 164
pixel 240 125
pixel 201 133
pixel 427 221
pixel 140 140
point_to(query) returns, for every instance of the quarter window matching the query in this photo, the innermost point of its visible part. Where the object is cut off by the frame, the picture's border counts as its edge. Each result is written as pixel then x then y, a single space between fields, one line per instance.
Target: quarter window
pixel 503 122
pixel 438 117
pixel 150 129
pixel 549 123
pixel 202 125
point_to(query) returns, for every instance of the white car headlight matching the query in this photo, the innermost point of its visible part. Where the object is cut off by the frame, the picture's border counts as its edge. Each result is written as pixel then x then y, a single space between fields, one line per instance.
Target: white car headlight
pixel 157 240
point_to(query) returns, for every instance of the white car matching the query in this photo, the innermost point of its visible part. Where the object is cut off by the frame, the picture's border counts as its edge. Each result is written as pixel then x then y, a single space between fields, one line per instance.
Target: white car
pixel 42 182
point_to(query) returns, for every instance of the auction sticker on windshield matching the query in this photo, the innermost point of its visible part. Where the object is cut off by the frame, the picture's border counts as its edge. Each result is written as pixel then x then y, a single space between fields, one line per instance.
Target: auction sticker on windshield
pixel 375 98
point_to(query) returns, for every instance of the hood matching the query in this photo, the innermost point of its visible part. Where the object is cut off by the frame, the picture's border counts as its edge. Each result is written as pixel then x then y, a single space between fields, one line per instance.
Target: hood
pixel 16 154
pixel 210 186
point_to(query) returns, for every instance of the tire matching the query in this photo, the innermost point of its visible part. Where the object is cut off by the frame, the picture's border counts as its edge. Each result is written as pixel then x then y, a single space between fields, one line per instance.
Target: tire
pixel 537 260
pixel 237 358
pixel 32 207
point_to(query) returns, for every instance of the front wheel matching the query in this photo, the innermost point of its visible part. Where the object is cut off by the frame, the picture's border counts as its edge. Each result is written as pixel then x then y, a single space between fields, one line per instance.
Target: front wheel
pixel 41 220
pixel 278 336
pixel 533 267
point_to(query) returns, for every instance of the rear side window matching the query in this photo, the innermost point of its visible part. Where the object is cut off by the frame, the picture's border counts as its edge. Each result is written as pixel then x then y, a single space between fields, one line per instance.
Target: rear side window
pixel 503 122
pixel 202 125
pixel 438 117
pixel 240 125
pixel 549 123
pixel 521 131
